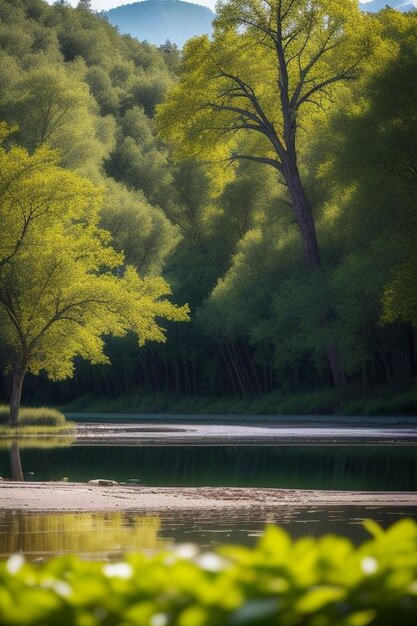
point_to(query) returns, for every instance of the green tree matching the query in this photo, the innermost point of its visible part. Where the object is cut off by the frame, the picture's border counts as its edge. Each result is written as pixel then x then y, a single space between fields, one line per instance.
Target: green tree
pixel 62 286
pixel 84 5
pixel 363 166
pixel 52 106
pixel 268 65
pixel 140 230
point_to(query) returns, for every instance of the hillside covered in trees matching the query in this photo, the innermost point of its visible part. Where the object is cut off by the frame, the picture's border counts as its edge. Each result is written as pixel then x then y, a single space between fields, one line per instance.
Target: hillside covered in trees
pixel 194 199
pixel 158 20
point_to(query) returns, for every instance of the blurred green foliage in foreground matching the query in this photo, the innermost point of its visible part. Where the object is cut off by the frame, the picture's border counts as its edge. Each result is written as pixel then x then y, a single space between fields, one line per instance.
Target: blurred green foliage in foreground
pixel 325 582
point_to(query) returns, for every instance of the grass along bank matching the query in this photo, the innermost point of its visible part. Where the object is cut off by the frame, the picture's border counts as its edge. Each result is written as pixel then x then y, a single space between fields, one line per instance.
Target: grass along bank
pixel 324 402
pixel 35 421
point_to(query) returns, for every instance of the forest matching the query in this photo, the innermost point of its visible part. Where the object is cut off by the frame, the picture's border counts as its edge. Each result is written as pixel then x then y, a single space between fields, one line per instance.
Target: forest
pixel 266 178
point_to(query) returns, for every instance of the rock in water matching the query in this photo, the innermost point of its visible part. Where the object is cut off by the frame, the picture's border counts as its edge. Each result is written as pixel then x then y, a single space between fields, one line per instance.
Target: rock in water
pixel 103 482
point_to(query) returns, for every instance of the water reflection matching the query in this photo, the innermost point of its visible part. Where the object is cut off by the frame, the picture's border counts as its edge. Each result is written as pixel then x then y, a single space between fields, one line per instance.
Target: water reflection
pixel 44 443
pixel 16 470
pixel 109 535
pixel 86 534
pixel 356 467
pixel 15 462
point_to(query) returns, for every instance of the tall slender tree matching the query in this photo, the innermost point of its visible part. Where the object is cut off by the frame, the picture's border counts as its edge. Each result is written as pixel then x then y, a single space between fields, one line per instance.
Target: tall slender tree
pixel 245 94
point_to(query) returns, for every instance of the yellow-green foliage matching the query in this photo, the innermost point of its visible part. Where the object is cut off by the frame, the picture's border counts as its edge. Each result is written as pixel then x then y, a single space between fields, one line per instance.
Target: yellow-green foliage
pixel 33 436
pixel 34 421
pixel 229 83
pixel 63 287
pixel 42 416
pixel 308 582
pixel 83 533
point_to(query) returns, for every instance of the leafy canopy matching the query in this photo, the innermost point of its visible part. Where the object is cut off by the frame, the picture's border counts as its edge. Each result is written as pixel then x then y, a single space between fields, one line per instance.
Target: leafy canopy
pixel 62 285
pixel 266 60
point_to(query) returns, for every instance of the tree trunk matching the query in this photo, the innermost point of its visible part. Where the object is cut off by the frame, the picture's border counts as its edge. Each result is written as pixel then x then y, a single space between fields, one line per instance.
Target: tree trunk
pixel 335 362
pixel 311 253
pixel 412 351
pixel 16 395
pixel 228 366
pixel 304 217
pixel 17 472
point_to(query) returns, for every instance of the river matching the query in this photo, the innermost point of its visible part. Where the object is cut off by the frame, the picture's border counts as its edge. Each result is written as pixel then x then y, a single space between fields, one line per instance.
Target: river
pixel 151 454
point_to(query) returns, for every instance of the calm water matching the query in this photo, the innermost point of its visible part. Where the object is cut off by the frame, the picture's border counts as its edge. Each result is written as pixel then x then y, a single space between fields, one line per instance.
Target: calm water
pixel 360 467
pixel 109 535
pixel 92 535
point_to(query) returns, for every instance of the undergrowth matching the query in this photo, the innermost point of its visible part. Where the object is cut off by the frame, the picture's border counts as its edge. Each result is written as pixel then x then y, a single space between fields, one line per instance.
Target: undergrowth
pixel 34 421
pixel 323 402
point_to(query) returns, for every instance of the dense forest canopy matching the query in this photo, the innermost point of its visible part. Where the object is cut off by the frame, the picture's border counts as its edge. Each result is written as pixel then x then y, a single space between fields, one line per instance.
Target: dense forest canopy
pixel 220 230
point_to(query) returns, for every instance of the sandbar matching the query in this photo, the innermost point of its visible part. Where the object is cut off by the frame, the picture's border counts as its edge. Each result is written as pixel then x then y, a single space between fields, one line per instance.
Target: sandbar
pixel 74 497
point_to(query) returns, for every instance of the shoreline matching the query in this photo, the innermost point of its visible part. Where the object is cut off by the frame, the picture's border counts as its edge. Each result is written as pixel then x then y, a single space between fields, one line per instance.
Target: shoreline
pixel 217 434
pixel 310 419
pixel 48 497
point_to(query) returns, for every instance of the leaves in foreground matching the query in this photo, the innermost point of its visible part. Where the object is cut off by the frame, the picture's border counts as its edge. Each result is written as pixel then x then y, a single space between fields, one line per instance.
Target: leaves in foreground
pixel 324 582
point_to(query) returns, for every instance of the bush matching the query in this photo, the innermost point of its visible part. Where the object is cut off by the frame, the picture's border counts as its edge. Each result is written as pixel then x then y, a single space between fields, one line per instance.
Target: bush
pixel 39 421
pixel 308 582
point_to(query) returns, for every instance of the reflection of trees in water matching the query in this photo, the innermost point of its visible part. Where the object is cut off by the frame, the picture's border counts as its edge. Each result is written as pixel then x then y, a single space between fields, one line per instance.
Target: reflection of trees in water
pixel 59 441
pixel 15 462
pixel 16 446
pixel 98 534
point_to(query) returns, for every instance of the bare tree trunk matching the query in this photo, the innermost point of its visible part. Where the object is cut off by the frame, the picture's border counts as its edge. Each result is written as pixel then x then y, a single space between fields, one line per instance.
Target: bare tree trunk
pixel 335 362
pixel 226 358
pixel 17 472
pixel 235 368
pixel 16 395
pixel 384 359
pixel 365 377
pixel 257 383
pixel 311 254
pixel 412 351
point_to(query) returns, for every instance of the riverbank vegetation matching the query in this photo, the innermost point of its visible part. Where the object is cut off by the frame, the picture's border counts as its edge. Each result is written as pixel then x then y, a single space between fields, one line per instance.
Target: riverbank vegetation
pixel 34 421
pixel 298 262
pixel 325 581
pixel 323 402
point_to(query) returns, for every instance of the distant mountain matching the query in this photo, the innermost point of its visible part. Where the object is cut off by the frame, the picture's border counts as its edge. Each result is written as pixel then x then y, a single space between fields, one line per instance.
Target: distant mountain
pixel 398 5
pixel 159 20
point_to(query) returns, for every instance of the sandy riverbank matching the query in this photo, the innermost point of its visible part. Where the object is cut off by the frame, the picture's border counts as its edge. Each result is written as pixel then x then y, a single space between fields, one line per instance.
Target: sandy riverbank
pixel 39 497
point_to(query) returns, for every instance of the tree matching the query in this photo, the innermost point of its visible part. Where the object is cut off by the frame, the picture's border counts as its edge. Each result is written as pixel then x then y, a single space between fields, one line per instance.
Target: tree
pixel 24 196
pixel 140 230
pixel 268 65
pixel 84 5
pixel 62 286
pixel 52 106
pixel 367 169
